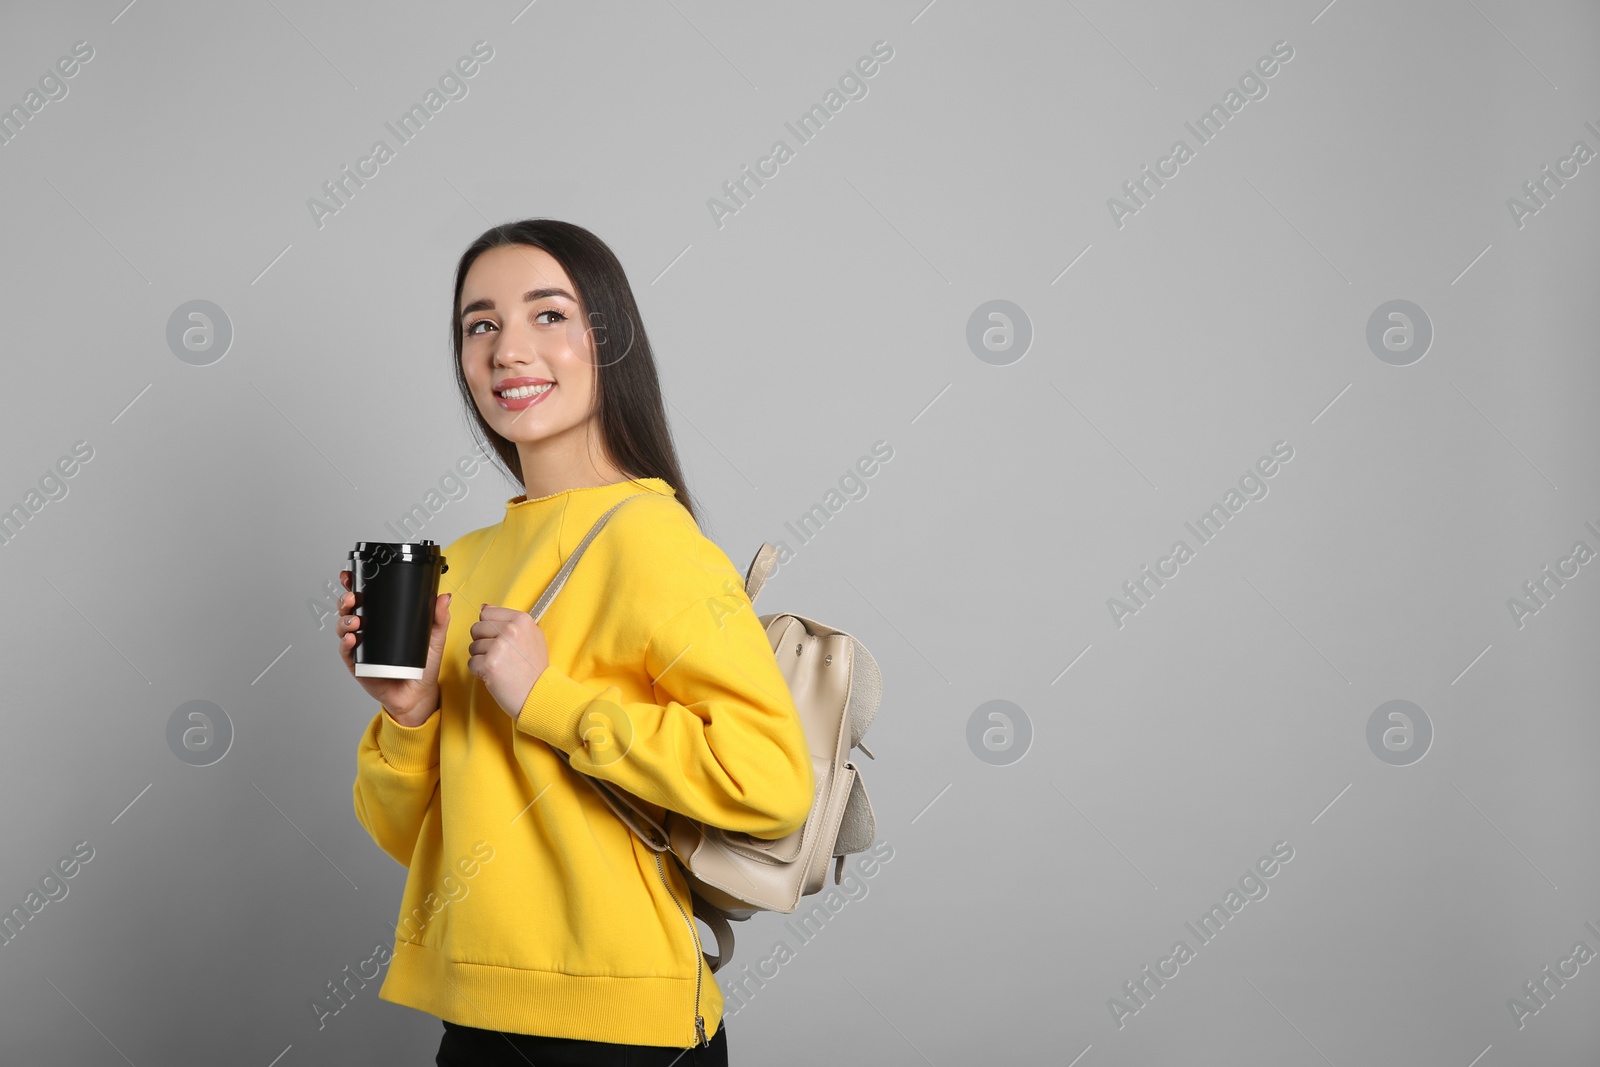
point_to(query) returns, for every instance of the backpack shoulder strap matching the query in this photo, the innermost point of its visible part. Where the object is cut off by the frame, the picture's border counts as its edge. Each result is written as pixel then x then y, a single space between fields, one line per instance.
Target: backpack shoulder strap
pixel 560 579
pixel 717 920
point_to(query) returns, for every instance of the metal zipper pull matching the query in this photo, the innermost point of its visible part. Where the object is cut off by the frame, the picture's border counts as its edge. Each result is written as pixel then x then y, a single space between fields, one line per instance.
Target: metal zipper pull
pixel 700 1029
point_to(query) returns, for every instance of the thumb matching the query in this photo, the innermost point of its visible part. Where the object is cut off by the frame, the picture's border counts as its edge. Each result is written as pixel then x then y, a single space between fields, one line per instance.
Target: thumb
pixel 441 619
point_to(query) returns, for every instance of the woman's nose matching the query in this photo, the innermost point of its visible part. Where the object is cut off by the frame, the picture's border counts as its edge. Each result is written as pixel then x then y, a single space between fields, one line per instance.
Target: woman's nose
pixel 512 348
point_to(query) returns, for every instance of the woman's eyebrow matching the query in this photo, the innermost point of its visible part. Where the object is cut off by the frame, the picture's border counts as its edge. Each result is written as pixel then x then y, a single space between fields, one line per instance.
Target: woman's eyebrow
pixel 531 295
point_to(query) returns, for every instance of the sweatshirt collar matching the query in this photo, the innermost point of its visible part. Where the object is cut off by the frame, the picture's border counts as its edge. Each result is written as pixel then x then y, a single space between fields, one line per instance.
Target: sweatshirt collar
pixel 614 489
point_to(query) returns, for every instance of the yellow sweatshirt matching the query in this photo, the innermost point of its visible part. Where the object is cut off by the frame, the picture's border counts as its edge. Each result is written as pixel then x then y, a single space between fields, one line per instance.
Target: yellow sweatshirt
pixel 529 906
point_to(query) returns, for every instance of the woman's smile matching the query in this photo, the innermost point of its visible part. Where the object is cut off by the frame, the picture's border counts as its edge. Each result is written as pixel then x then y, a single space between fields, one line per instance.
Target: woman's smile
pixel 516 394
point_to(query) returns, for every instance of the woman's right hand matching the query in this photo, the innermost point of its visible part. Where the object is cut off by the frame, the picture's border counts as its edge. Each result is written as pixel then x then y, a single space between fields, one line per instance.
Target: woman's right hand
pixel 409 701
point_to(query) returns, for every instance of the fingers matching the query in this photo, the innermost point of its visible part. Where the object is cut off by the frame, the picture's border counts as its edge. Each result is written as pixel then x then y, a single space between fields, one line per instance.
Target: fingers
pixel 485 644
pixel 494 621
pixel 347 625
pixel 349 622
pixel 494 629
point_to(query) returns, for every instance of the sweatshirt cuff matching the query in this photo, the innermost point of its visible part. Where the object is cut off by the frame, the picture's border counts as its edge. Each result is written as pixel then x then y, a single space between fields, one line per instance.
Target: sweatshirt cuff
pixel 553 709
pixel 408 748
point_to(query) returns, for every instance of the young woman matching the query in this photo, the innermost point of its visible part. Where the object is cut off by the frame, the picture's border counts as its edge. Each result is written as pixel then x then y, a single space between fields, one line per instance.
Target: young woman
pixel 534 923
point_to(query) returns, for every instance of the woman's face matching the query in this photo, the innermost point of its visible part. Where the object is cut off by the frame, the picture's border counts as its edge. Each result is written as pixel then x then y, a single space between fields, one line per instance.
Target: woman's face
pixel 522 325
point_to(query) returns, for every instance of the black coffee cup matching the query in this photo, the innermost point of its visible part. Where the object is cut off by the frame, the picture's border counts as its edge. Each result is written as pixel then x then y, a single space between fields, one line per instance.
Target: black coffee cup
pixel 395 585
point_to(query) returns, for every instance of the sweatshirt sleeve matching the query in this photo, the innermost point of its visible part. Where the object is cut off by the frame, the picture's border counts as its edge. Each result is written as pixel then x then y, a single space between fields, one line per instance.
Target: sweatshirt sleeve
pixel 724 746
pixel 397 772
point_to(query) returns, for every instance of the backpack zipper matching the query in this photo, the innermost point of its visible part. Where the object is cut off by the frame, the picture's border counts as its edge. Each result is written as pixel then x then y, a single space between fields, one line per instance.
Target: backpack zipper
pixel 699 1022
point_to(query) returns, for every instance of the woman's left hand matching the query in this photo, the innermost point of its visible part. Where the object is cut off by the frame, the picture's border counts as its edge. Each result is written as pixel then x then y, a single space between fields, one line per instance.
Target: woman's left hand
pixel 509 653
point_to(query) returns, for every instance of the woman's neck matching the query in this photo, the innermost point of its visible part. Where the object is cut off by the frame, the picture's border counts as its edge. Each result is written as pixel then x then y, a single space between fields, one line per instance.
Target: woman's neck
pixel 549 468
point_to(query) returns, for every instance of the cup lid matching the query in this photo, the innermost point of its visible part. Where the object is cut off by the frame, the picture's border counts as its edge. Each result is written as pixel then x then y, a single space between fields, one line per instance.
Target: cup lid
pixel 423 550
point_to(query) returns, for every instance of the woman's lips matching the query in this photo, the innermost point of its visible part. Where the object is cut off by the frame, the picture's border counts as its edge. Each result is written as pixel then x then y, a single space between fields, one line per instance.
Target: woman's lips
pixel 524 402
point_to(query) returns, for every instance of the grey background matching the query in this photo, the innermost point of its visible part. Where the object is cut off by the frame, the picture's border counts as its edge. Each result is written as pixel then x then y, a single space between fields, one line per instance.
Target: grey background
pixel 831 312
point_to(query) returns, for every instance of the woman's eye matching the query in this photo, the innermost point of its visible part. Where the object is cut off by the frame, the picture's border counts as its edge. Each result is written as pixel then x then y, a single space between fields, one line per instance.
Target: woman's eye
pixel 473 328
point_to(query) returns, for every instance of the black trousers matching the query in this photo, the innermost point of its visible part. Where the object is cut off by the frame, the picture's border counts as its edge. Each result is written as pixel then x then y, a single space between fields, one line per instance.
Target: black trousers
pixel 468 1046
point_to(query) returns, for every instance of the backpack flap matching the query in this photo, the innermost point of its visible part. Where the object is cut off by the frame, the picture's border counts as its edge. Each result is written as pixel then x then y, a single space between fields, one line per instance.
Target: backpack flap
pixel 866 692
pixel 858 826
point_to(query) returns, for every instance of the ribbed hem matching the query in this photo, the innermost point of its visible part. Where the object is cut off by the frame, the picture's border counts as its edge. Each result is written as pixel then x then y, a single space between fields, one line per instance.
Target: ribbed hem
pixel 553 708
pixel 632 1011
pixel 408 748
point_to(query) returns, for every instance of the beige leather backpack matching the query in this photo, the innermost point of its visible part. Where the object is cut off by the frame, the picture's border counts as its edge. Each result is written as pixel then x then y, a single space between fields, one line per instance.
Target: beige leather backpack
pixel 836 688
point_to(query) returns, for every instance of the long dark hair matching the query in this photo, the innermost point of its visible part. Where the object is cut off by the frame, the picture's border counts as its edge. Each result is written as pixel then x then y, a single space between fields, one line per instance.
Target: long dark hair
pixel 633 421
